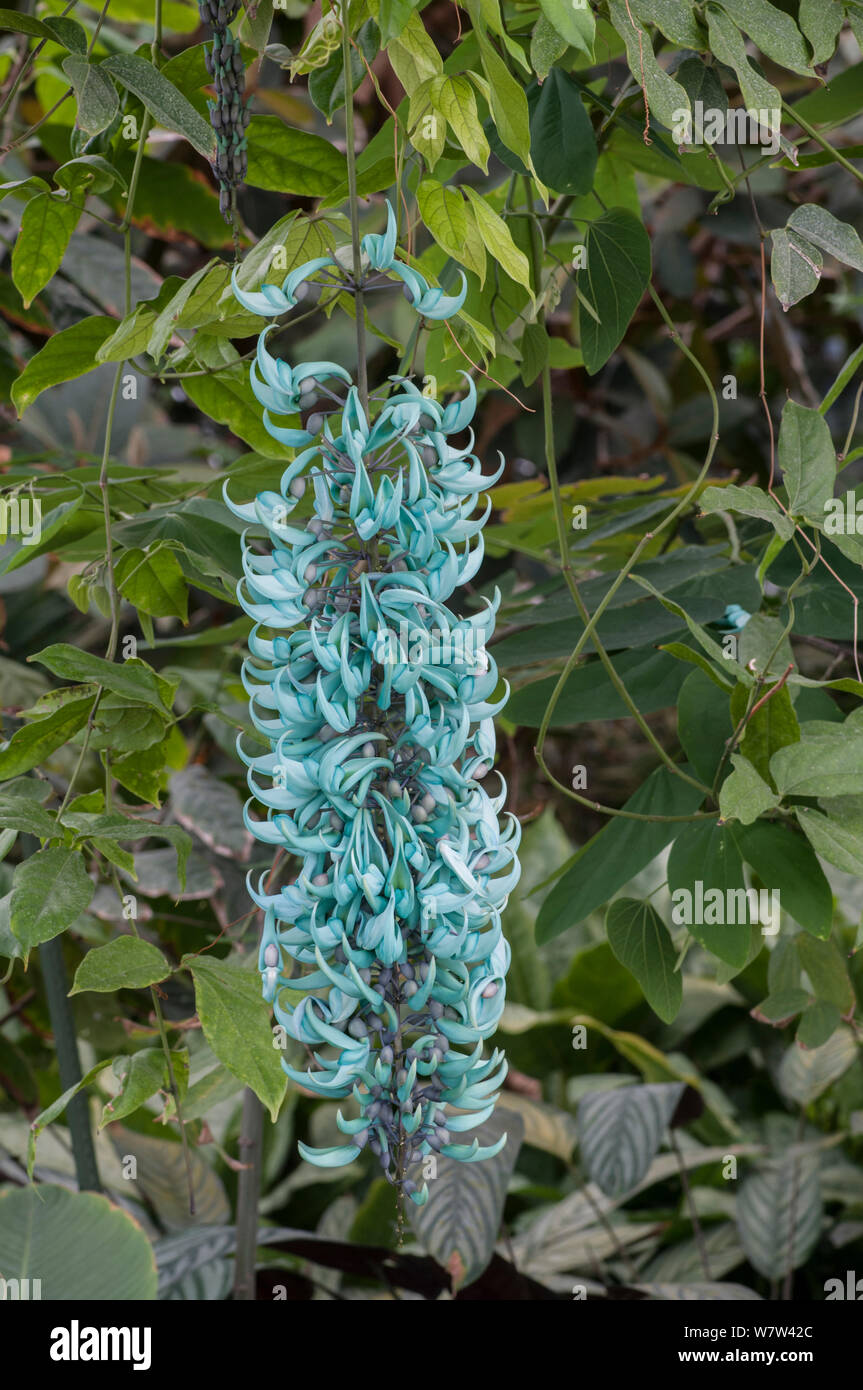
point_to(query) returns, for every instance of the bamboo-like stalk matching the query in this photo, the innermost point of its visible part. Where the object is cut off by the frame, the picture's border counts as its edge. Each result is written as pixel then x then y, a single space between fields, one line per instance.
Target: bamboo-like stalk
pixel 69 1063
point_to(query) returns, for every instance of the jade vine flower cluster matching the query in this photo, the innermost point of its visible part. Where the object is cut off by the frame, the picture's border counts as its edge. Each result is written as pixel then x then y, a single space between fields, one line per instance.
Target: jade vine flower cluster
pixel 385 955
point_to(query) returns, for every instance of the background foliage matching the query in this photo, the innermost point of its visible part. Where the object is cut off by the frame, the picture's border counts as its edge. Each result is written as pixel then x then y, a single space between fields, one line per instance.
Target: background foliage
pixel 666 342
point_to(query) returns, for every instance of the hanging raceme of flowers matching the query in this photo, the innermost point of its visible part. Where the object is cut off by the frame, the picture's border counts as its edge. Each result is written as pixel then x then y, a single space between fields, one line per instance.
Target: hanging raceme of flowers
pixel 379 748
pixel 229 113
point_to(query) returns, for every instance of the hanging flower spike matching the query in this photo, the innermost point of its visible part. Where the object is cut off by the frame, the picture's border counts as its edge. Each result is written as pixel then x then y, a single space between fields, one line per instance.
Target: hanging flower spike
pixel 229 113
pixel 377 704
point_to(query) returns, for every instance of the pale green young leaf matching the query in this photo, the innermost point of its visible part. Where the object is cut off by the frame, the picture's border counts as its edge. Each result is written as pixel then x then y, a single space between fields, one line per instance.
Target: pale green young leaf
pixel 498 239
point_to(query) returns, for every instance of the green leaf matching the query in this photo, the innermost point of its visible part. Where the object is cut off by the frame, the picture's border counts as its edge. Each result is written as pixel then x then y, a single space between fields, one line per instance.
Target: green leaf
pixel 51 1112
pixel 699 632
pixel 701 81
pixel 781 1007
pixel 507 99
pixel 675 19
pixel 498 240
pixel 613 280
pixel 745 795
pixel 455 99
pixel 165 103
pixel 653 679
pixel 110 826
pixel 65 355
pixel 125 963
pixel 770 728
pixel 235 1021
pixel 703 723
pixel 728 46
pixel 667 99
pixel 254 24
pixel 779 1215
pixel 818 1023
pixel 25 815
pixel 775 33
pixel 784 862
pixel 165 322
pixel 597 982
pixel 32 744
pixel 617 853
pixel 69 33
pixel 444 213
pixel 130 336
pixel 126 726
pixel 460 1222
pixel 821 764
pixel 144 773
pixel 47 224
pixel 573 22
pixel 534 352
pixel 153 582
pixel 89 173
pixel 292 161
pixel 140 1076
pixel 795 266
pixel 620 1131
pixel 426 126
pixel 546 46
pixel 748 501
pixel 681 652
pixel 705 854
pixel 327 84
pixel 783 966
pixel 563 144
pixel 838 835
pixel 49 890
pixel 413 55
pixel 80 1245
pixel 827 972
pixel 132 679
pixel 641 941
pixel 807 459
pixel 837 238
pixel 11 20
pixel 804 1075
pixel 392 17
pixel 95 94
pixel 821 22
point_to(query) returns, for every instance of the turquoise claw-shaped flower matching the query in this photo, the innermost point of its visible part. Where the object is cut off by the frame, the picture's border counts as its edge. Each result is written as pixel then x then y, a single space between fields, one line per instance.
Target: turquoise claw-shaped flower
pixel 734 618
pixel 430 303
pixel 272 300
pixel 380 248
